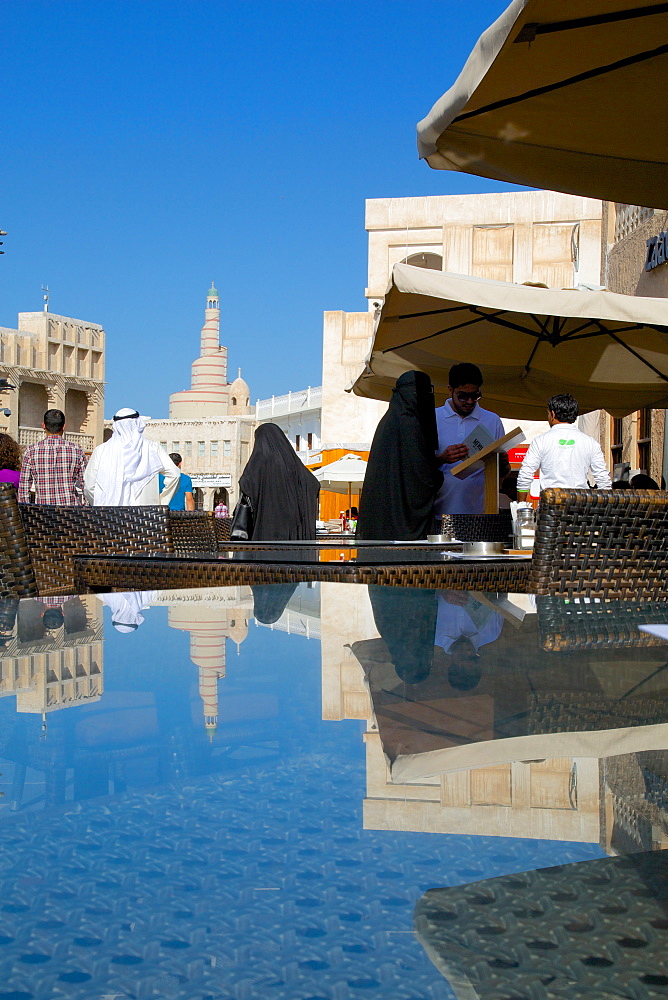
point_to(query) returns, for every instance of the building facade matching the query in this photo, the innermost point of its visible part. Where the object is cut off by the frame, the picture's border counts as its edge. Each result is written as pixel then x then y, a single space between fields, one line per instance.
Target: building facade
pixel 526 236
pixel 54 362
pixel 298 414
pixel 633 261
pixel 211 424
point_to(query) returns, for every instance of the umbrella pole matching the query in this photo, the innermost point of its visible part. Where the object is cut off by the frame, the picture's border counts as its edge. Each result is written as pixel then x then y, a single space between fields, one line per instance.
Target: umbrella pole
pixel 350 497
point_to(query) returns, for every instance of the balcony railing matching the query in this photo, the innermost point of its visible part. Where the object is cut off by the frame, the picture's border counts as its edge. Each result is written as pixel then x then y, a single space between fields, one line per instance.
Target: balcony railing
pixel 30 435
pixel 628 218
pixel 292 402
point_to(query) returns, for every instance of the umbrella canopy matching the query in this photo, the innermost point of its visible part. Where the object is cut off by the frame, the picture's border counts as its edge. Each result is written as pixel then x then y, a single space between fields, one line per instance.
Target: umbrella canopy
pixel 559 94
pixel 343 475
pixel 609 350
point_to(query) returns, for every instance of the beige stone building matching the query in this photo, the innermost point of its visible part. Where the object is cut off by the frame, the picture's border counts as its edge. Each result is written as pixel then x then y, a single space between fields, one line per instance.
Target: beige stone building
pixel 211 424
pixel 540 236
pixel 54 361
pixel 633 261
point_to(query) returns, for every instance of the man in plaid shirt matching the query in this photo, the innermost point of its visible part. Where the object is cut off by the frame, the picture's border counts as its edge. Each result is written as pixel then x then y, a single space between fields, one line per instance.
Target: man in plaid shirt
pixel 54 467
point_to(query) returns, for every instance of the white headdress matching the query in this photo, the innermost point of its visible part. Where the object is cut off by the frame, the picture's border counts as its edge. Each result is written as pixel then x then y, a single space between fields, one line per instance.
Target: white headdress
pixel 126 609
pixel 127 462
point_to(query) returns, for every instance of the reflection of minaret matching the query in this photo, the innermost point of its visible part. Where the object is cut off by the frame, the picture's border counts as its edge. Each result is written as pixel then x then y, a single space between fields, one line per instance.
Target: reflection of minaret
pixel 208 394
pixel 209 624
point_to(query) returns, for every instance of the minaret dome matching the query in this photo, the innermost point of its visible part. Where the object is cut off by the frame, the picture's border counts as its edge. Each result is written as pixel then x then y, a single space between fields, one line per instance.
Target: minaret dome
pixel 212 299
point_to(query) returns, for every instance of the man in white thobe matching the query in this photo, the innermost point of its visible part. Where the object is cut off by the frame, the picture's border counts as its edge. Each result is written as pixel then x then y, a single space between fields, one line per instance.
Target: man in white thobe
pixel 123 472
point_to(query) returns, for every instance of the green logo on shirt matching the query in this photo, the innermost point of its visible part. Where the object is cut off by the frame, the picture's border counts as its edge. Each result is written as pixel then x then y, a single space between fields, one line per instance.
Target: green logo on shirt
pixel 566 444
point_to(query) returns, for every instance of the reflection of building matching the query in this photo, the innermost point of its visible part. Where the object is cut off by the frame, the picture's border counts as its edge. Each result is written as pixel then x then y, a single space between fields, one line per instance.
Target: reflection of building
pixel 345 617
pixel 56 668
pixel 552 799
pixel 54 361
pixel 301 615
pixel 607 801
pixel 211 424
pixel 211 617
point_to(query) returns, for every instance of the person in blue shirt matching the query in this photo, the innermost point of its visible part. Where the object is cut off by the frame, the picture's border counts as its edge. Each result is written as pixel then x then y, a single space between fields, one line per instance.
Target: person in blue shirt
pixel 183 499
pixel 455 420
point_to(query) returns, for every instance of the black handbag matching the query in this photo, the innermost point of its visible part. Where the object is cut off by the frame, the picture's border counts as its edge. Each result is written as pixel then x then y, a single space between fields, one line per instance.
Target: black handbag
pixel 242 520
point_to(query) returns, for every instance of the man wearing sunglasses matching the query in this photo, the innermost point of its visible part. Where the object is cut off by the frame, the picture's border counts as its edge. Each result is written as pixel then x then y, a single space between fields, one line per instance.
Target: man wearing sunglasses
pixel 455 420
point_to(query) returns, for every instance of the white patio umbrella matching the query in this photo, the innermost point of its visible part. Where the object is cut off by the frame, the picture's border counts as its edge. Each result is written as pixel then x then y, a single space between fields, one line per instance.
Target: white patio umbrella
pixel 343 475
pixel 609 350
pixel 561 94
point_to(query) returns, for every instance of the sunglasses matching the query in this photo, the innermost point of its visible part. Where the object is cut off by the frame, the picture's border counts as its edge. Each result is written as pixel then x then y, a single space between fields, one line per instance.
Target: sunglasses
pixel 465 397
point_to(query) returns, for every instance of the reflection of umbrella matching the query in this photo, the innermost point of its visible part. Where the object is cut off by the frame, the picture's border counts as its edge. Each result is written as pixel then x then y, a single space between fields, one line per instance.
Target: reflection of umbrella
pixel 609 350
pixel 341 476
pixel 559 95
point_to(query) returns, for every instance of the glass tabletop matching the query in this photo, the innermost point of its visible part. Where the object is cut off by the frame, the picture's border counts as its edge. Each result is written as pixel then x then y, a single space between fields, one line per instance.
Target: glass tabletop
pixel 332 791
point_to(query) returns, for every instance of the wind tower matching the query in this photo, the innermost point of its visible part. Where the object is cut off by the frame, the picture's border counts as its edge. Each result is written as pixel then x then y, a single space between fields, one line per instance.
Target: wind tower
pixel 209 392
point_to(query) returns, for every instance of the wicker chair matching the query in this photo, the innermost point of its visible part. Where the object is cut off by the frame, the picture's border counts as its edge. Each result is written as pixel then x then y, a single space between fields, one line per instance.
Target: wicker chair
pixel 595 543
pixel 193 532
pixel 17 578
pixel 55 534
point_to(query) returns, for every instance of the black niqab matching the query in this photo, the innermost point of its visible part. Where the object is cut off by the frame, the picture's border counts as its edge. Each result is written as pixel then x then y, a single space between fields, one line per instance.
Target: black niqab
pixel 282 491
pixel 406 619
pixel 402 477
pixel 270 601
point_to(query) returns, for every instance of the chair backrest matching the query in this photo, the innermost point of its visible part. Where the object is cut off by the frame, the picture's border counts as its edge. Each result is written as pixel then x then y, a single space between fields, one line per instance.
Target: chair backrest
pixel 55 534
pixel 17 578
pixel 193 531
pixel 223 529
pixel 599 543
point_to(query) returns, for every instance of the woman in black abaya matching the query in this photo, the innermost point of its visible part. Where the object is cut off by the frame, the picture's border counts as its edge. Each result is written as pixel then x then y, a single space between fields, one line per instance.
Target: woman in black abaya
pixel 403 475
pixel 282 491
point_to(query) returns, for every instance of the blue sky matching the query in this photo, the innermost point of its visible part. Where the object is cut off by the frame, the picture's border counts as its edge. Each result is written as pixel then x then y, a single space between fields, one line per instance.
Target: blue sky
pixel 149 147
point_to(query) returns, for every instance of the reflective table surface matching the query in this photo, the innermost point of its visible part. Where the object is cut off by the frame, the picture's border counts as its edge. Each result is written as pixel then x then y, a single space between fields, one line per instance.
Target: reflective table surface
pixel 332 791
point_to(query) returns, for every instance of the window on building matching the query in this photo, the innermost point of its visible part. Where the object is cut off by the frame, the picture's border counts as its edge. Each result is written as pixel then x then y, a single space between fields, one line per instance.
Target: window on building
pixel 227 449
pixel 298 441
pixel 616 442
pixel 644 439
pixel 309 441
pixel 163 444
pixel 214 449
pixel 176 445
pixel 234 400
pixel 201 449
pixel 189 449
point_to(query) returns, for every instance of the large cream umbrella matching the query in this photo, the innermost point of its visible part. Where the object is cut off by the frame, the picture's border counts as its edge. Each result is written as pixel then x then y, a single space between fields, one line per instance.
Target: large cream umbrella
pixel 564 95
pixel 609 350
pixel 341 476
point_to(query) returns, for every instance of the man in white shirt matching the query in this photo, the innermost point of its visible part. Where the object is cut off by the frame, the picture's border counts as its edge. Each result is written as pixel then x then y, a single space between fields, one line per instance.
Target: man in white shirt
pixel 563 454
pixel 455 420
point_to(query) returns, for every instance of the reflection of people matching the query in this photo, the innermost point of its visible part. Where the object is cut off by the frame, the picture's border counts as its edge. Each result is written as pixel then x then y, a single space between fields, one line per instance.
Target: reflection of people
pixel 126 609
pixel 463 625
pixel 406 620
pixel 48 614
pixel 563 454
pixel 460 416
pixel 123 472
pixel 282 491
pixel 270 601
pixel 402 476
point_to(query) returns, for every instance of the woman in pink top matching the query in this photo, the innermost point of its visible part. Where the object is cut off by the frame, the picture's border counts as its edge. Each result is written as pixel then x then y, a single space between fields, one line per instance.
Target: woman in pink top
pixel 10 460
